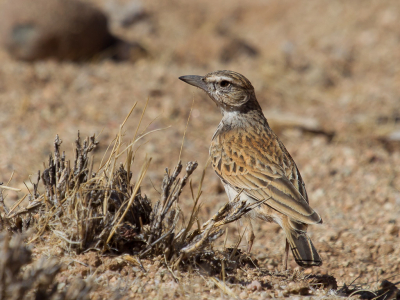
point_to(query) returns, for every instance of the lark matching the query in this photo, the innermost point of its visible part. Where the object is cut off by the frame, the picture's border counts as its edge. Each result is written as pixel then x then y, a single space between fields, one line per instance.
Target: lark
pixel 254 165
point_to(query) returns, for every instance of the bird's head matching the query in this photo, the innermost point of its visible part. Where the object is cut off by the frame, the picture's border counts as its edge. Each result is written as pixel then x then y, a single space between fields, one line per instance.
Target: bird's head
pixel 231 91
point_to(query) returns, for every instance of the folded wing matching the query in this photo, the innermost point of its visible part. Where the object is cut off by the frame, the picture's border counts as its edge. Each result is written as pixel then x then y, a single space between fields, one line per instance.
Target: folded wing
pixel 261 175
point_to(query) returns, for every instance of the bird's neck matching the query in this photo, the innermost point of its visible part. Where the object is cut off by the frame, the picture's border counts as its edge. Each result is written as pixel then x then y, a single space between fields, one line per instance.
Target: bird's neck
pixel 237 120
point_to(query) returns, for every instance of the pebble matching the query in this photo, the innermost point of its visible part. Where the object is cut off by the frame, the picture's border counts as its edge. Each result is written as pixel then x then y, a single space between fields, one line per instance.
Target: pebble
pixel 113 279
pixel 255 285
pixel 392 229
pixel 308 271
pixel 329 235
pixel 61 285
pixel 363 253
pixel 243 295
pixel 386 249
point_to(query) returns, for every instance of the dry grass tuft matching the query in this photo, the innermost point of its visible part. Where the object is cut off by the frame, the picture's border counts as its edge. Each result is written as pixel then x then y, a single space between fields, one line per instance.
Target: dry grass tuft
pixel 17 281
pixel 81 210
pixel 388 290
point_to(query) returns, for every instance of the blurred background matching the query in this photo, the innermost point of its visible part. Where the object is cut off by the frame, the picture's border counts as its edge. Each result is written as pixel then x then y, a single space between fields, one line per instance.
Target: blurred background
pixel 326 73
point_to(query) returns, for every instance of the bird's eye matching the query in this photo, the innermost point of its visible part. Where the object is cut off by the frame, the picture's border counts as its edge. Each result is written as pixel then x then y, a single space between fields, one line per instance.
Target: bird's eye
pixel 224 83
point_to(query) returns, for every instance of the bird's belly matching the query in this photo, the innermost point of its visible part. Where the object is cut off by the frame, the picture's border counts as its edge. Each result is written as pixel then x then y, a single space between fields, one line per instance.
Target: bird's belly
pixel 263 211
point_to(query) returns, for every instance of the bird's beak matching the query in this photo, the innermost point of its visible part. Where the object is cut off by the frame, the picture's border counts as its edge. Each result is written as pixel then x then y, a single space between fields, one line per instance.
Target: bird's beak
pixel 195 80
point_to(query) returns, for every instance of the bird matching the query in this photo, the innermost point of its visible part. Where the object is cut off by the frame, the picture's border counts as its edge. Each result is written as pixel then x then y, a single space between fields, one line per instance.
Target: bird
pixel 253 164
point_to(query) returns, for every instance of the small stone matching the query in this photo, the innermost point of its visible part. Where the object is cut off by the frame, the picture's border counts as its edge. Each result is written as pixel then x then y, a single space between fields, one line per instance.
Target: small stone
pixel 94 260
pixel 60 286
pixel 339 244
pixel 157 264
pixel 363 253
pixel 255 285
pixel 153 268
pixel 172 285
pixel 386 249
pixel 116 265
pixel 392 229
pixel 243 295
pixel 113 279
pixel 280 294
pixel 57 251
pixel 153 294
pixel 308 271
pixel 85 272
pixel 330 235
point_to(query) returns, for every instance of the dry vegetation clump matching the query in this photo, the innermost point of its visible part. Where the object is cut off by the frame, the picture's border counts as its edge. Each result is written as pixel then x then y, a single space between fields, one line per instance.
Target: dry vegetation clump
pixel 388 290
pixel 82 210
pixel 17 281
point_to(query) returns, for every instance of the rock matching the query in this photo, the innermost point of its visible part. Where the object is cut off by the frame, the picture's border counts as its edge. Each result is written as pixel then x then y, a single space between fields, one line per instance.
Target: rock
pixel 308 271
pixel 363 253
pixel 265 295
pixel 392 229
pixel 317 76
pixel 255 285
pixel 93 260
pixel 329 235
pixel 58 29
pixel 394 136
pixel 116 264
pixel 386 249
pixel 243 295
pixel 391 140
pixel 297 289
pixel 326 281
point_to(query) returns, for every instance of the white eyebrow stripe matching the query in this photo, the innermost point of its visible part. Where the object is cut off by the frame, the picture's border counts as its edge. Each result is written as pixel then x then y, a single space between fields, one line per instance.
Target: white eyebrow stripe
pixel 219 78
pixel 226 78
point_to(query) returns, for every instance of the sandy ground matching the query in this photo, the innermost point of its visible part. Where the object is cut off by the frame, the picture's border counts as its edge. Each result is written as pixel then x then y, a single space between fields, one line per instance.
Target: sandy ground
pixel 335 64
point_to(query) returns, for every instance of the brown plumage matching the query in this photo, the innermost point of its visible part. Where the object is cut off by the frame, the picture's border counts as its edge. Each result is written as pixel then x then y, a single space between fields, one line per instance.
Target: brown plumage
pixel 248 156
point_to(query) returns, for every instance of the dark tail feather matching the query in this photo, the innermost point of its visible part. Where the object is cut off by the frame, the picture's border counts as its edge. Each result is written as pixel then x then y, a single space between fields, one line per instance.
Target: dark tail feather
pixel 303 249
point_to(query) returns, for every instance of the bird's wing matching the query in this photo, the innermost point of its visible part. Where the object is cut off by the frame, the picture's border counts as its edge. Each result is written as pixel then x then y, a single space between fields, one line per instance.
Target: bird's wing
pixel 262 167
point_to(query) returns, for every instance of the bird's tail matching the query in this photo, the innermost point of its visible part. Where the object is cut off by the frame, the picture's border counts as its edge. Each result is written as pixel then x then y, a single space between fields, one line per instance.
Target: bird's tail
pixel 303 249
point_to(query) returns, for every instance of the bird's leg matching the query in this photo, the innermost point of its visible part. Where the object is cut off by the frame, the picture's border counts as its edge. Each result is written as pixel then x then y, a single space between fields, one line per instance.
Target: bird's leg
pixel 286 255
pixel 250 234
